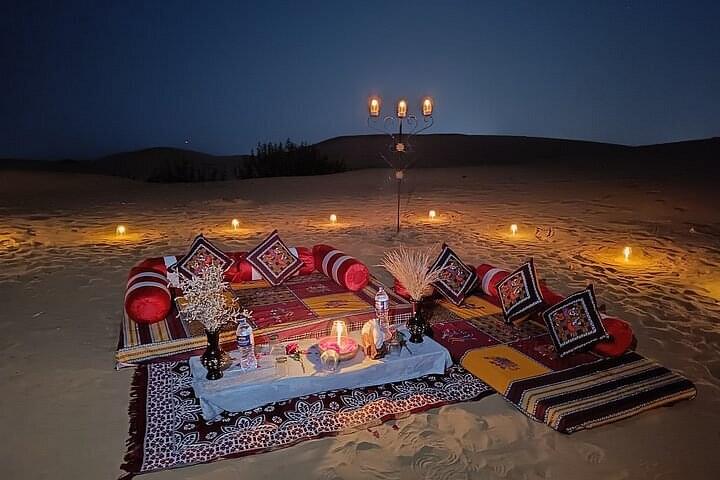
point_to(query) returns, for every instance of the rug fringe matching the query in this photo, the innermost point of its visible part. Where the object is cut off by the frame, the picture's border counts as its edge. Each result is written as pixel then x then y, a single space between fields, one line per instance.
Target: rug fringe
pixel 136 434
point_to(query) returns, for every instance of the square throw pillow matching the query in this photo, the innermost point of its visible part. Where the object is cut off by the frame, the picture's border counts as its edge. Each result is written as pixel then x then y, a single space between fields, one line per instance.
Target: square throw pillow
pixel 457 280
pixel 574 323
pixel 202 254
pixel 274 260
pixel 519 293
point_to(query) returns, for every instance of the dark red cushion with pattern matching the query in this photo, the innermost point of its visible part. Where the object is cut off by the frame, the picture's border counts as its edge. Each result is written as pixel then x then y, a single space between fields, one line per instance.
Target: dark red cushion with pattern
pixel 242 271
pixel 457 279
pixel 274 260
pixel 202 254
pixel 574 323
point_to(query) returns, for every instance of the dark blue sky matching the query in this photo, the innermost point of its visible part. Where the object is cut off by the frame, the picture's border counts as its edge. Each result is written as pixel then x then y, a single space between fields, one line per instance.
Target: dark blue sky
pixel 81 79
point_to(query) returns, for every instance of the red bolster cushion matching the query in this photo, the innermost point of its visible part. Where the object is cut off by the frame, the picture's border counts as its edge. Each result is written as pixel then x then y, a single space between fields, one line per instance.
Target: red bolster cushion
pixel 241 270
pixel 489 278
pixel 345 270
pixel 156 264
pixel 147 297
pixel 621 339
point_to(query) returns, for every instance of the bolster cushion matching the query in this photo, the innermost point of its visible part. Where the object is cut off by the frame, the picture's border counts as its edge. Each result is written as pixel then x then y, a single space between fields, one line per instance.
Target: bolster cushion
pixel 147 297
pixel 621 338
pixel 345 270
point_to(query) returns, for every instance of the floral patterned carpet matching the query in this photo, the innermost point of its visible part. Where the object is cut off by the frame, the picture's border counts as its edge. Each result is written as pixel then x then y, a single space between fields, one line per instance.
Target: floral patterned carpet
pixel 167 429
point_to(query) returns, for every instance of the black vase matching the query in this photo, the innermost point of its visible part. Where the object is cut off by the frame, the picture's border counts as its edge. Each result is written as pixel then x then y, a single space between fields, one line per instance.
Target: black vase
pixel 215 359
pixel 416 325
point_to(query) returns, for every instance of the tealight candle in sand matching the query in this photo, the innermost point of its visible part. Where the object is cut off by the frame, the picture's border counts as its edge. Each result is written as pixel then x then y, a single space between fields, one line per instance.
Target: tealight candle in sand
pixel 513 229
pixel 120 231
pixel 627 251
pixel 432 214
pixel 333 219
pixel 235 223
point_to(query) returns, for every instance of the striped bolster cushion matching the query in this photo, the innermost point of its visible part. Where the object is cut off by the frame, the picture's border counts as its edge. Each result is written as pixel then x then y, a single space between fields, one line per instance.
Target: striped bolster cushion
pixel 241 270
pixel 345 270
pixel 147 297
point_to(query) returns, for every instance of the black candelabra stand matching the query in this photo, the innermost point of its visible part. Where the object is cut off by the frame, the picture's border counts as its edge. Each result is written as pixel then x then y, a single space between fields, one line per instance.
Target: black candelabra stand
pixel 401 127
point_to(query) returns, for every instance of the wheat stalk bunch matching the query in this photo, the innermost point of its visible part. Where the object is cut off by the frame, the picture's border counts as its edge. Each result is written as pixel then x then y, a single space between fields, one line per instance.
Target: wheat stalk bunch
pixel 411 267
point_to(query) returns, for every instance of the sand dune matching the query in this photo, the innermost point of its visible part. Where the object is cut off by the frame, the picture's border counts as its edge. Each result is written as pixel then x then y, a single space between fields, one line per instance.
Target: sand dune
pixel 163 164
pixel 64 408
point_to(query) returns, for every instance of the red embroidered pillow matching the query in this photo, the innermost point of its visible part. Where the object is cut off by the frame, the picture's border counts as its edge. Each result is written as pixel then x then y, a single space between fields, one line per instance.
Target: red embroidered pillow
pixel 520 294
pixel 274 260
pixel 457 280
pixel 202 254
pixel 574 323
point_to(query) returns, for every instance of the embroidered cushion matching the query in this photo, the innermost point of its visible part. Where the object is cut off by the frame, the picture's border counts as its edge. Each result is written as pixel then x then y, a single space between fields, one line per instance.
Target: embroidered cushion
pixel 243 271
pixel 519 293
pixel 574 323
pixel 202 254
pixel 274 260
pixel 457 280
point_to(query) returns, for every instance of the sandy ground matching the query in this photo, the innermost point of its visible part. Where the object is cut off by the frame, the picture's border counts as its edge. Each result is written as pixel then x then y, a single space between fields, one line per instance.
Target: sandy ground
pixel 63 407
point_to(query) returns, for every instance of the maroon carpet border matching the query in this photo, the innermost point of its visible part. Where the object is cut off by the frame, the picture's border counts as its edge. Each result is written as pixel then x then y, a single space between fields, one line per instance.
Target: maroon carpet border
pixel 138 422
pixel 136 441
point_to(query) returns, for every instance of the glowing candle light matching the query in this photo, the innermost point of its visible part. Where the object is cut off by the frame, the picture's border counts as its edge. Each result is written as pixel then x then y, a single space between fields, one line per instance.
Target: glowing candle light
pixel 626 253
pixel 427 107
pixel 235 223
pixel 340 330
pixel 513 229
pixel 402 109
pixel 432 214
pixel 374 107
pixel 333 218
pixel 120 230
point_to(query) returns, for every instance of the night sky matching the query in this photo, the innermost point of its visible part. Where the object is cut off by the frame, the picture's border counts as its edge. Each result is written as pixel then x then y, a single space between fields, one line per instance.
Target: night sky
pixel 83 79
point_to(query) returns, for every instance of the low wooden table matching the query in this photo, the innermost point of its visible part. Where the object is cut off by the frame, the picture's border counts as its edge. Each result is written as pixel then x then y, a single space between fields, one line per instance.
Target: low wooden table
pixel 240 391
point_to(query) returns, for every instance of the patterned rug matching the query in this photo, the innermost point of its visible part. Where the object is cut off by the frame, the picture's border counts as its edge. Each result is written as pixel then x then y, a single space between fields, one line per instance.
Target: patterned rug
pixel 568 394
pixel 167 429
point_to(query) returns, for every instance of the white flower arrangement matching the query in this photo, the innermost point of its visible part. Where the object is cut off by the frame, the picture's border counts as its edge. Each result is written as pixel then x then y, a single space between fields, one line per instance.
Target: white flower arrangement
pixel 207 300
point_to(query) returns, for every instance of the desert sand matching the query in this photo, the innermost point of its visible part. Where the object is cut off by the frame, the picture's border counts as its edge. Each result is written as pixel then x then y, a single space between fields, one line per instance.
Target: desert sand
pixel 63 410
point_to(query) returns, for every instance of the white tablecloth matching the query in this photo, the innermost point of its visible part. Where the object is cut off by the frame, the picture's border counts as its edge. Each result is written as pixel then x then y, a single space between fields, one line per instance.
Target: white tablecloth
pixel 238 391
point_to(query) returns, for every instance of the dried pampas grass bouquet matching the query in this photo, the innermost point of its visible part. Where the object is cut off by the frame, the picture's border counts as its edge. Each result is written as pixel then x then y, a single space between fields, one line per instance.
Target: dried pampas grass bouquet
pixel 411 267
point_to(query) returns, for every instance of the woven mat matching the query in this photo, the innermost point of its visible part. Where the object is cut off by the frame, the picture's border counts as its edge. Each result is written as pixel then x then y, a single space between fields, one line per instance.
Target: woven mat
pixel 167 429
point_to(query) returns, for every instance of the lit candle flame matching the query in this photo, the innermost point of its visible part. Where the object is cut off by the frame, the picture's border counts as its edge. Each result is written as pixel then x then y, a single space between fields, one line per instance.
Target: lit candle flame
pixel 427 107
pixel 513 228
pixel 235 223
pixel 333 218
pixel 339 327
pixel 374 107
pixel 120 230
pixel 626 253
pixel 432 214
pixel 402 109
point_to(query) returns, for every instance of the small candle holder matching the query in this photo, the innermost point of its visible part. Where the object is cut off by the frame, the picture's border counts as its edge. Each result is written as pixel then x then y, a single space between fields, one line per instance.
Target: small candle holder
pixel 339 341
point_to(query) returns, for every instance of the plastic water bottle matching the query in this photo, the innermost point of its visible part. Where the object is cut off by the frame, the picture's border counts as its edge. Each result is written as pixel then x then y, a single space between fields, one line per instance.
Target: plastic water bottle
pixel 246 345
pixel 382 311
